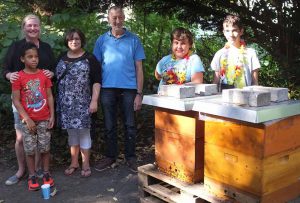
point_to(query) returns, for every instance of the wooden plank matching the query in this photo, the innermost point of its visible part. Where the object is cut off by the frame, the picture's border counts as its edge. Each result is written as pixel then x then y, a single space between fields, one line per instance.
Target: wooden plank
pixel 165 192
pixel 287 194
pixel 290 194
pixel 194 189
pixel 162 197
pixel 250 174
pixel 281 170
pixel 179 156
pixel 184 123
pixel 220 189
pixel 235 135
pixel 259 140
pixel 233 168
pixel 151 199
pixel 282 135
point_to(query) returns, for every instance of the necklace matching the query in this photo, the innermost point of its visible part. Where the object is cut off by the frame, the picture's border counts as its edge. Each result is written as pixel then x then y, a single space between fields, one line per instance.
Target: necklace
pixel 232 66
pixel 174 74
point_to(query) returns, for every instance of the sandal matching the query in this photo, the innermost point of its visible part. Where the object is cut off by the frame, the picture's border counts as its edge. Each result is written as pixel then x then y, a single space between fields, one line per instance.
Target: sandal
pixel 70 170
pixel 86 172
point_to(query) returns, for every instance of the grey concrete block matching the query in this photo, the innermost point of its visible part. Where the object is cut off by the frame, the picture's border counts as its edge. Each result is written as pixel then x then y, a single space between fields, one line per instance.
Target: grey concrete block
pixel 241 96
pixel 259 98
pixel 277 94
pixel 227 95
pixel 177 91
pixel 206 89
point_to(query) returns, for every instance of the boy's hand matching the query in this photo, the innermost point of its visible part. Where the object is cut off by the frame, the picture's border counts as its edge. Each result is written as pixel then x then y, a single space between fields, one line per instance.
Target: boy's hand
pixel 93 106
pixel 31 125
pixel 51 122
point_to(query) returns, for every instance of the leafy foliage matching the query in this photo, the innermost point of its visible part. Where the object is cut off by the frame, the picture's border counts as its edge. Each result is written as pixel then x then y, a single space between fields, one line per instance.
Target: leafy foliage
pixel 271 24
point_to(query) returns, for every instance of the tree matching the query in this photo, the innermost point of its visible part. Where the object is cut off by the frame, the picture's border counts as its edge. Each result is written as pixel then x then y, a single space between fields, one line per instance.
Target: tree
pixel 273 24
pixel 56 6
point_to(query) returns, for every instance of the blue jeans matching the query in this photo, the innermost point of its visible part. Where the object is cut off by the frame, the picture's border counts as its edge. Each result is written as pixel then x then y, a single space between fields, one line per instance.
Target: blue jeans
pixel 111 99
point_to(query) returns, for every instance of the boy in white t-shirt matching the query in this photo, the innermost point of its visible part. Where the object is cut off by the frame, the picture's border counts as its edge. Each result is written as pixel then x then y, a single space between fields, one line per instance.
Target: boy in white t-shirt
pixel 235 65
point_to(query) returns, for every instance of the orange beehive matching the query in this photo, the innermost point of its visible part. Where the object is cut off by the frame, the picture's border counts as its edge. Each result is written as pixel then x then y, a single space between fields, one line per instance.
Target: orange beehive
pixel 260 159
pixel 179 143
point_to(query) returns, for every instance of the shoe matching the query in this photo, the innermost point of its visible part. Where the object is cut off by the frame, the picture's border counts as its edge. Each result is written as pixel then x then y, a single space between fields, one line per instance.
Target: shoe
pixel 48 179
pixel 33 184
pixel 131 163
pixel 12 180
pixel 86 173
pixel 39 173
pixel 70 170
pixel 104 164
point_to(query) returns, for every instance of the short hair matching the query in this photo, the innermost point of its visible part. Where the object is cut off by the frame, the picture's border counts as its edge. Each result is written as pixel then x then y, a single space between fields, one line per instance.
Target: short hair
pixel 115 8
pixel 28 17
pixel 69 36
pixel 181 33
pixel 27 46
pixel 233 20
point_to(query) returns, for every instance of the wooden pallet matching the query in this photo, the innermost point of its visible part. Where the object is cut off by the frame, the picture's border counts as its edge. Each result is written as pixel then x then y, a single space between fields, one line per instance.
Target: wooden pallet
pixel 154 186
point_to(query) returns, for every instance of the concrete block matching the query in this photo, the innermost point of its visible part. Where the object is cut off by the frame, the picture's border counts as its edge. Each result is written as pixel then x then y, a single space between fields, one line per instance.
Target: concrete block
pixel 227 95
pixel 177 91
pixel 277 94
pixel 241 96
pixel 259 98
pixel 206 89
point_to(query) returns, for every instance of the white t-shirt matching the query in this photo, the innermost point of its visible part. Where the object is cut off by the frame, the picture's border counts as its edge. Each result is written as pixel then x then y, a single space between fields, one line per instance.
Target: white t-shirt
pixel 233 55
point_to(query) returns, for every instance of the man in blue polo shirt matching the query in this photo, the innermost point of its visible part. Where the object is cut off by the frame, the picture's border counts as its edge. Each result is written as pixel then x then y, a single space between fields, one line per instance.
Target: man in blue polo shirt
pixel 120 53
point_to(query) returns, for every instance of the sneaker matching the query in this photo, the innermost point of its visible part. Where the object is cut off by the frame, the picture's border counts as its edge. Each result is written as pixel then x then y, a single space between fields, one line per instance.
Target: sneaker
pixel 33 184
pixel 39 173
pixel 12 180
pixel 104 164
pixel 131 163
pixel 47 179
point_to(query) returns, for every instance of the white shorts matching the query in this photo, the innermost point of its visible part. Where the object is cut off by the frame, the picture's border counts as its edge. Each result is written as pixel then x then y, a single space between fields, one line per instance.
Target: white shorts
pixel 80 137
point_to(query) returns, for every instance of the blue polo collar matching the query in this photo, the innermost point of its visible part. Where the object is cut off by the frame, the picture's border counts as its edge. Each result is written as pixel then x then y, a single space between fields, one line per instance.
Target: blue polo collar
pixel 111 35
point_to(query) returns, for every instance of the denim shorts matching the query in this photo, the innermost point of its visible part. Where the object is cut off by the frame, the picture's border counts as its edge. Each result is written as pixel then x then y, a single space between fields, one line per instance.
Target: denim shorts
pixel 17 120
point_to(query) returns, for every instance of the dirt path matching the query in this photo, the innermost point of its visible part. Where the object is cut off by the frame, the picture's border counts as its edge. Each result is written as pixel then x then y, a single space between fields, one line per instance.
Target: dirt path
pixel 109 186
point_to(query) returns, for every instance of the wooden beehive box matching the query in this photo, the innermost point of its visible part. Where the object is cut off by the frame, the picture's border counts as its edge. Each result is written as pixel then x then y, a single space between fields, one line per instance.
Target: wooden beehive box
pixel 179 144
pixel 260 159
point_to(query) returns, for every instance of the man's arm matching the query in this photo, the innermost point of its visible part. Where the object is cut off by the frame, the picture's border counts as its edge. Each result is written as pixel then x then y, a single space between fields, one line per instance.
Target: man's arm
pixel 254 76
pixel 140 83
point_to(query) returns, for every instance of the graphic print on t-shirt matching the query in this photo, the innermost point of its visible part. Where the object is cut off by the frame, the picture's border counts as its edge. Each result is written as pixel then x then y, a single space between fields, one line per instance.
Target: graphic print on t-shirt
pixel 34 97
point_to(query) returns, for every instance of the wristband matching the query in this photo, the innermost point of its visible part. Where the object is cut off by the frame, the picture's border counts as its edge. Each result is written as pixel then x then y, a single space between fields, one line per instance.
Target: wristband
pixel 140 93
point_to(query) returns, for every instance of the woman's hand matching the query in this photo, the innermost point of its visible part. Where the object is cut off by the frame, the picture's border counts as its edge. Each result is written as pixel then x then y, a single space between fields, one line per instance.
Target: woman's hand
pixel 49 74
pixel 12 77
pixel 93 106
